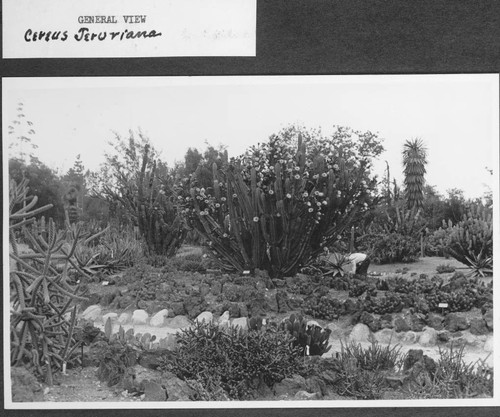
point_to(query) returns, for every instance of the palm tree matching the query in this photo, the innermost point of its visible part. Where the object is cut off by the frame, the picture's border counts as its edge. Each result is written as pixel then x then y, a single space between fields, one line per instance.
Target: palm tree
pixel 414 162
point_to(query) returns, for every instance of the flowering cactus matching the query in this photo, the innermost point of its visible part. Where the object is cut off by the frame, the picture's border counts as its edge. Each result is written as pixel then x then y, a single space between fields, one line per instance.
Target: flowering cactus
pixel 277 206
pixel 470 241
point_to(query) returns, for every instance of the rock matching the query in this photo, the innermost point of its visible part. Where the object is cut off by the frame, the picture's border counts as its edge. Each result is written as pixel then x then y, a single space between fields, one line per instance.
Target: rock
pixel 311 323
pixel 316 385
pixel 224 317
pixel 488 345
pixel 258 306
pixel 234 310
pixel 386 321
pixel 290 386
pixel 306 396
pixel 400 324
pixel 435 321
pixel 108 298
pixel 444 336
pixel 412 357
pixel 125 301
pixel 453 322
pixel 279 283
pixel 371 321
pixel 178 322
pixel 351 306
pixel 419 365
pixel 336 328
pixel 272 302
pixel 282 300
pixel 243 310
pixel 241 322
pixel 91 299
pixel 194 305
pixel 417 322
pixel 428 337
pixel 112 316
pixel 478 326
pixel 25 387
pixel 360 333
pixel 206 317
pixel 216 287
pixel 124 318
pixel 472 340
pixel 488 318
pixel 294 302
pixel 409 337
pixel 158 320
pixel 153 359
pixel 204 290
pixel 386 336
pixel 178 390
pixel 153 391
pixel 178 309
pixel 92 313
pixel 139 317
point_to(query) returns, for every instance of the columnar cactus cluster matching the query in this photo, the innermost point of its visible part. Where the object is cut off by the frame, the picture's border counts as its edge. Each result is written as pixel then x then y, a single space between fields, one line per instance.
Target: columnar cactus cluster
pixel 147 196
pixel 280 204
pixel 41 321
pixel 470 241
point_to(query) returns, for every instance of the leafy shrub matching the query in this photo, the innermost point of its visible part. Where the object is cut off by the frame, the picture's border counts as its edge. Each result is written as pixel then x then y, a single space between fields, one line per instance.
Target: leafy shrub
pixel 234 359
pixel 357 288
pixel 391 303
pixel 277 206
pixel 392 247
pixel 444 269
pixel 436 243
pixel 323 308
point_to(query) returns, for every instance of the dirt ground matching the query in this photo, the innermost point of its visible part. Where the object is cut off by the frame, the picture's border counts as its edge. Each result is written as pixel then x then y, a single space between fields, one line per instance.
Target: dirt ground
pixel 425 265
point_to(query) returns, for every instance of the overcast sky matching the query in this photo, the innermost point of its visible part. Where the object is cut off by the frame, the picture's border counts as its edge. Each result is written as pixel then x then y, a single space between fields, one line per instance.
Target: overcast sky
pixel 456 116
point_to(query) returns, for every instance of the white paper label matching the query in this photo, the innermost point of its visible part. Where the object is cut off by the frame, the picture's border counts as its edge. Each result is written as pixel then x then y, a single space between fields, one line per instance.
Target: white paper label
pixel 128 28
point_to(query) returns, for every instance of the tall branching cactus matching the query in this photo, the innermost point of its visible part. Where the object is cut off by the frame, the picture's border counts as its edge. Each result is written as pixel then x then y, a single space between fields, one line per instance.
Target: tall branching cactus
pixel 42 319
pixel 145 190
pixel 276 214
pixel 470 241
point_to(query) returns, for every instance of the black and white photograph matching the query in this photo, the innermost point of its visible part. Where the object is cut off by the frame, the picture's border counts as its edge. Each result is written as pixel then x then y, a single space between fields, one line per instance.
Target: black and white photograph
pixel 250 241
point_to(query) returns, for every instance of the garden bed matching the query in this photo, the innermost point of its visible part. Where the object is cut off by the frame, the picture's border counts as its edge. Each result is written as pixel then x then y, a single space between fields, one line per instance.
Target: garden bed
pixel 185 297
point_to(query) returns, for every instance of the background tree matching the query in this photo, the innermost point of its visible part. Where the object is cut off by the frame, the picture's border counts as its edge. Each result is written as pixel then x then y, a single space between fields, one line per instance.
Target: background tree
pixel 43 182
